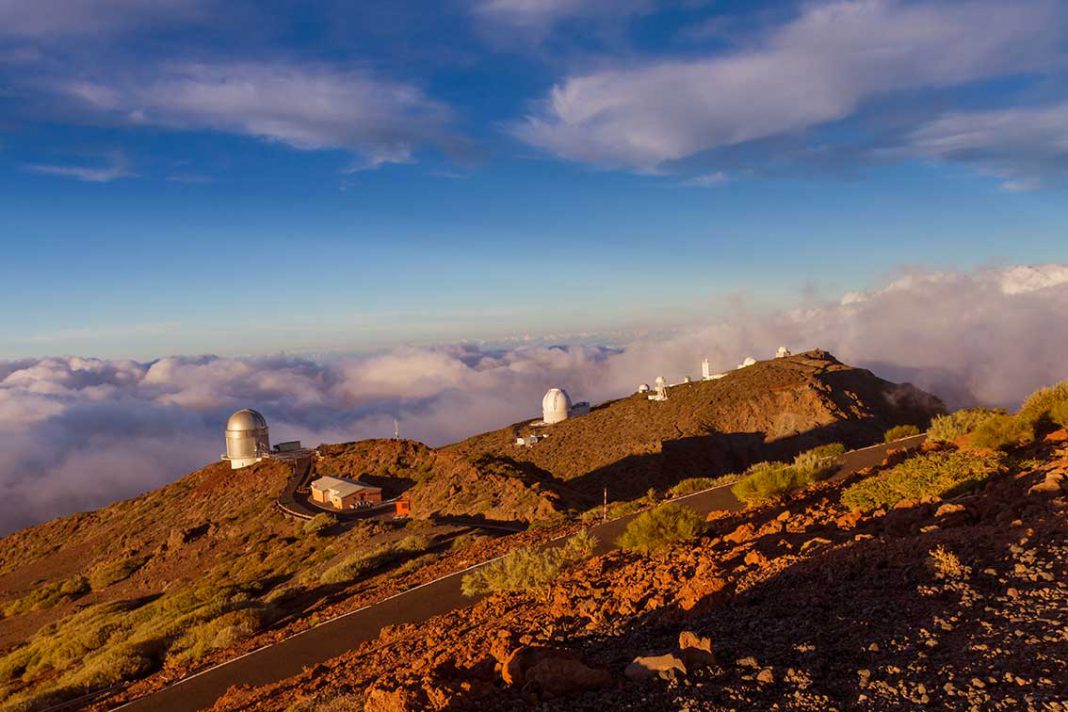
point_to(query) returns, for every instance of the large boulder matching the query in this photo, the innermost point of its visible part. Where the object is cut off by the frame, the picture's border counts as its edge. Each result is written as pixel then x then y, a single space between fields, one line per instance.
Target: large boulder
pixel 552 671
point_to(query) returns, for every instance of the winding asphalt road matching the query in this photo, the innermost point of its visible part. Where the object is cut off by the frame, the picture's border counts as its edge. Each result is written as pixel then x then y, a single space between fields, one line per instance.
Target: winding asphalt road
pixel 339 635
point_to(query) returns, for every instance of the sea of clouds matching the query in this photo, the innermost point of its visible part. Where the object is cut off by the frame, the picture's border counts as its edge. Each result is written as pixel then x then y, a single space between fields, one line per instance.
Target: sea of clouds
pixel 78 433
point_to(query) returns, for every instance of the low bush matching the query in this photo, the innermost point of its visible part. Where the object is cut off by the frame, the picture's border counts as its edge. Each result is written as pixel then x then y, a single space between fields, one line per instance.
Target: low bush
pixel 935 474
pixel 317 525
pixel 528 568
pixel 1046 405
pixel 946 565
pixel 698 484
pixel 362 562
pixel 49 595
pixel 949 428
pixel 900 432
pixel 767 480
pixel 221 632
pixel 667 524
pixel 1058 413
pixel 1003 432
pixel 110 572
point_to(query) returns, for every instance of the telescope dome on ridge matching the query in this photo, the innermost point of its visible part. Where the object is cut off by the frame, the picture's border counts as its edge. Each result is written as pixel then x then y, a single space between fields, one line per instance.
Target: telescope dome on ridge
pixel 555 406
pixel 247 439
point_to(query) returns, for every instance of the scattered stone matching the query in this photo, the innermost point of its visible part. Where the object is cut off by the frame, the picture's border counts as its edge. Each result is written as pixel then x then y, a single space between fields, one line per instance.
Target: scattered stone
pixel 666 667
pixel 695 650
pixel 950 508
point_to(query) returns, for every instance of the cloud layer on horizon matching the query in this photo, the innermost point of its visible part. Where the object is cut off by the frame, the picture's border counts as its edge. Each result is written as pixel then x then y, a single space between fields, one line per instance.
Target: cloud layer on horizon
pixel 78 433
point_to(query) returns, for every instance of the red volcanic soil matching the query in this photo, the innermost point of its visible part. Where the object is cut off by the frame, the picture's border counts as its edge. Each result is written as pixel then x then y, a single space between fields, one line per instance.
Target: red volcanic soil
pixel 803 605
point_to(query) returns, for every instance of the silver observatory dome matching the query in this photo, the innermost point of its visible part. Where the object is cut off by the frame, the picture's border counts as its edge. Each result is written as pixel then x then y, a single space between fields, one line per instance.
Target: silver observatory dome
pixel 247 439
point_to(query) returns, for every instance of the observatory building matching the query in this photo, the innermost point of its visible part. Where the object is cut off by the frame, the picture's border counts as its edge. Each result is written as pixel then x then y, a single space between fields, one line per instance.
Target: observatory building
pixel 557 406
pixel 247 441
pixel 783 352
pixel 661 390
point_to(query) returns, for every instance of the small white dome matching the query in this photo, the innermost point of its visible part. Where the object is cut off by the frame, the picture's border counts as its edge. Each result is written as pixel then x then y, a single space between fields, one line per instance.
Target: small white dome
pixel 783 352
pixel 555 405
pixel 643 388
pixel 661 381
pixel 749 361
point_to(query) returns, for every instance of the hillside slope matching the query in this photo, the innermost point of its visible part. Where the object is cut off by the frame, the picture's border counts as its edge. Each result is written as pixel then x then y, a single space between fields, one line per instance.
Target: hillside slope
pixel 444 485
pixel 174 579
pixel 801 604
pixel 773 409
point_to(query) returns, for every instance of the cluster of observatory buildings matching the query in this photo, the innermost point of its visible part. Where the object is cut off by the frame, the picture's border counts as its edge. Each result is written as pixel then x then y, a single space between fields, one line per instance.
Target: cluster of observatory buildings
pixel 248 441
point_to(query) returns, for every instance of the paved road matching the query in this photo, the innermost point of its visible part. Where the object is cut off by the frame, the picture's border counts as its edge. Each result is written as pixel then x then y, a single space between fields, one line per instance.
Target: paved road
pixel 416 605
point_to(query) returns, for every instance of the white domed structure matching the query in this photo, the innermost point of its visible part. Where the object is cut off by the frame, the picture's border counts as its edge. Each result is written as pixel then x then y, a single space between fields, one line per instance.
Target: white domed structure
pixel 749 361
pixel 247 441
pixel 783 352
pixel 643 388
pixel 555 406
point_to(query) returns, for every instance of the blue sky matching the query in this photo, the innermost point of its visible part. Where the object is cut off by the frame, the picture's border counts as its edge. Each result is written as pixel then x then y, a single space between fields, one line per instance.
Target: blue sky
pixel 186 176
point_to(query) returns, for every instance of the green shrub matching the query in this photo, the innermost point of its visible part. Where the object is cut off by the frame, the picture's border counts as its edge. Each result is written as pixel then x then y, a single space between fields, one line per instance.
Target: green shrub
pixel 767 480
pixel 936 474
pixel 1046 404
pixel 900 432
pixel 1059 414
pixel 528 568
pixel 362 562
pixel 951 427
pixel 317 525
pixel 221 632
pixel 1002 432
pixel 51 594
pixel 667 524
pixel 110 572
pixel 698 484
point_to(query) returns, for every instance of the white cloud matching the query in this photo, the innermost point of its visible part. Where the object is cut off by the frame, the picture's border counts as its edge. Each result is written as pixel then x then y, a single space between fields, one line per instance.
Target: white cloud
pixel 709 180
pixel 81 432
pixel 537 17
pixel 818 68
pixel 1020 144
pixel 61 18
pixel 113 171
pixel 307 107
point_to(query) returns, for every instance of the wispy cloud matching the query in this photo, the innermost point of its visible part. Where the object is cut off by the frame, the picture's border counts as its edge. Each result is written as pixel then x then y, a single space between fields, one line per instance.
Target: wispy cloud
pixel 307 107
pixel 538 17
pixel 112 171
pixel 820 67
pixel 62 18
pixel 708 180
pixel 1020 145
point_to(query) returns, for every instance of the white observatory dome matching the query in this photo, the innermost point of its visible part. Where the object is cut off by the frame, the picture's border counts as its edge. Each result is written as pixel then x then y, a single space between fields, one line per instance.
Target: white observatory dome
pixel 247 440
pixel 555 405
pixel 643 388
pixel 783 352
pixel 661 381
pixel 749 361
